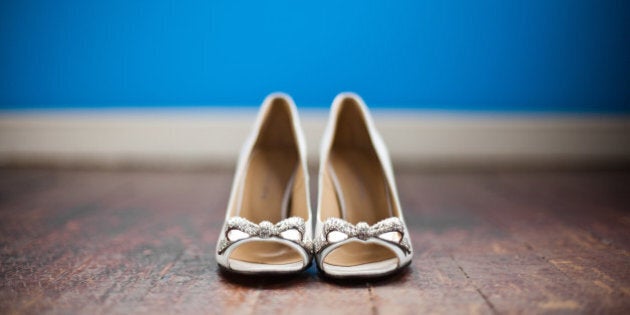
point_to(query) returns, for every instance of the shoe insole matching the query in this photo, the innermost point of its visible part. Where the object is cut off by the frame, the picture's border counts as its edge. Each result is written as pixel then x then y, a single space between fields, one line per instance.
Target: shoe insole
pixel 266 253
pixel 363 196
pixel 265 196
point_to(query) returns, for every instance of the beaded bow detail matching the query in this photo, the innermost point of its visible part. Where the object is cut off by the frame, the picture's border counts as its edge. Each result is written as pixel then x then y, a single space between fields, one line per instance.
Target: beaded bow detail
pixel 238 228
pixel 336 230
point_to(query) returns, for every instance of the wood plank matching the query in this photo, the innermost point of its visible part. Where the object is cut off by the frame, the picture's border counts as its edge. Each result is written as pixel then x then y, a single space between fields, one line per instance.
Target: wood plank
pixel 173 224
pixel 552 240
pixel 17 183
pixel 492 254
pixel 435 283
pixel 598 203
pixel 42 237
pixel 142 242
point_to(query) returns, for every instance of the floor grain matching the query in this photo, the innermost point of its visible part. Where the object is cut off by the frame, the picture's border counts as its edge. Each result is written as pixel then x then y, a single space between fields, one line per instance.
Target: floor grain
pixel 95 242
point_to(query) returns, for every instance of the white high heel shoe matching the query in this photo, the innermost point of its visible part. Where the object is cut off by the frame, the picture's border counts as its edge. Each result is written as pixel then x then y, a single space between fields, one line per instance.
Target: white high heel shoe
pixel 267 227
pixel 360 230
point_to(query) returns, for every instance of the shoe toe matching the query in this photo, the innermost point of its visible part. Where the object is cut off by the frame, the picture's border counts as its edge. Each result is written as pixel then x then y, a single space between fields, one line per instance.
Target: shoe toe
pixel 373 269
pixel 250 267
pixel 359 259
pixel 266 257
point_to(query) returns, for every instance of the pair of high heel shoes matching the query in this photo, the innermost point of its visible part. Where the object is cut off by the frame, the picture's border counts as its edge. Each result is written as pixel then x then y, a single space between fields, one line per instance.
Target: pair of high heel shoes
pixel 360 230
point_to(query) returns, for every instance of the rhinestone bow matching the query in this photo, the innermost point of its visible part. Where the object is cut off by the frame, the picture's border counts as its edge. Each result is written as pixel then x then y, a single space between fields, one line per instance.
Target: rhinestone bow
pixel 264 230
pixel 363 231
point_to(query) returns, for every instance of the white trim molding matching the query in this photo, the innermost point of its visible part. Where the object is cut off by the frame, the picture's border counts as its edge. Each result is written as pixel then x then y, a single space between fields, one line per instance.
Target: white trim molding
pixel 191 138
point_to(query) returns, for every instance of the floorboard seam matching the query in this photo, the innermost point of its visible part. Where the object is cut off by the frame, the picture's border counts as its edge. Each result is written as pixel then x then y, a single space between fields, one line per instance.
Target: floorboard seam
pixel 530 247
pixel 372 302
pixel 546 260
pixel 483 296
pixel 160 276
pixel 492 190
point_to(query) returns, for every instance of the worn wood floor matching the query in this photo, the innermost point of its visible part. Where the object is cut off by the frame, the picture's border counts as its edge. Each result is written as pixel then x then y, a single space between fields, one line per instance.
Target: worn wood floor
pixel 95 242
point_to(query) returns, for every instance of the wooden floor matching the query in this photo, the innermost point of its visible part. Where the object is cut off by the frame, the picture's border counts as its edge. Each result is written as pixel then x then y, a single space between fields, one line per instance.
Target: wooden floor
pixel 95 242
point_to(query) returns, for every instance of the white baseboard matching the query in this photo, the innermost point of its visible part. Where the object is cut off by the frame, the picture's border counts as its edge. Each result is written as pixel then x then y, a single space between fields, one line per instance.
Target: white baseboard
pixel 212 137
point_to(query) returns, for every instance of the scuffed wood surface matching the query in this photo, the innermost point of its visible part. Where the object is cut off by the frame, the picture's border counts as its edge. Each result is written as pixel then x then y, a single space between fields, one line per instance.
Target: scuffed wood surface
pixel 114 242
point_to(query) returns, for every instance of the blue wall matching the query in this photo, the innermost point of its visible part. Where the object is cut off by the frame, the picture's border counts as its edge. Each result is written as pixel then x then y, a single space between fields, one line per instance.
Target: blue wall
pixel 532 55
